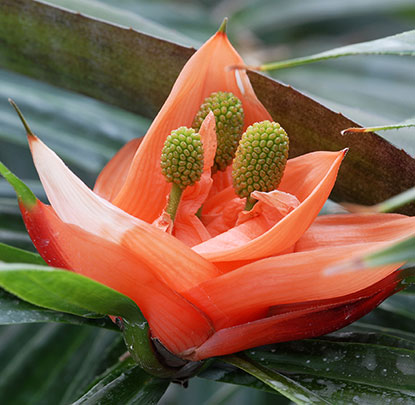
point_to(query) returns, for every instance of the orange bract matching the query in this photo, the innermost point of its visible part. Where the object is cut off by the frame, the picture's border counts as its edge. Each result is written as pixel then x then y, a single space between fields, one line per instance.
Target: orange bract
pixel 229 279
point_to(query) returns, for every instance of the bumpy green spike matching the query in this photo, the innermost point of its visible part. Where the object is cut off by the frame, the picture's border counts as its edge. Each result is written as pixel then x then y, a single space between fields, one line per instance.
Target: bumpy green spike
pixel 260 159
pixel 182 157
pixel 181 163
pixel 229 117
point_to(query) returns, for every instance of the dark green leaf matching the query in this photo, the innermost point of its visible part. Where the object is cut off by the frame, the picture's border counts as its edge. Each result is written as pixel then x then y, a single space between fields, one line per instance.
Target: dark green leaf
pixel 277 381
pixel 49 287
pixel 401 44
pixel 382 169
pixel 84 132
pixel 52 364
pixel 125 385
pixel 122 17
pixel 15 311
pixel 354 362
pixel 339 368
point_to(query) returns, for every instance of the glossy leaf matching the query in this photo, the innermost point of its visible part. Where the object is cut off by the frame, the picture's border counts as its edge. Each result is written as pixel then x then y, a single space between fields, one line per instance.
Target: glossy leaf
pixel 10 254
pixel 338 368
pixel 277 381
pixel 15 311
pixel 53 363
pixel 127 383
pixel 48 287
pixel 383 169
pixel 402 44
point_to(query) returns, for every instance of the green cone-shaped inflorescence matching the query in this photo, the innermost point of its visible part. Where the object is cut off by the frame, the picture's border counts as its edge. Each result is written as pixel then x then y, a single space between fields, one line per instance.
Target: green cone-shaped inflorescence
pixel 182 157
pixel 260 159
pixel 229 117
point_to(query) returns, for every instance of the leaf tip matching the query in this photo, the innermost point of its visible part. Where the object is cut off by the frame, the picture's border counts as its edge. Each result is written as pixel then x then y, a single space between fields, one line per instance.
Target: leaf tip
pixel 223 26
pixel 22 118
pixel 24 194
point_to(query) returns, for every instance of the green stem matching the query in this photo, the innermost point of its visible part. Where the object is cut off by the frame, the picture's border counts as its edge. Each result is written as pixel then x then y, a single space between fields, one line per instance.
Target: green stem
pixel 137 338
pixel 250 202
pixel 174 200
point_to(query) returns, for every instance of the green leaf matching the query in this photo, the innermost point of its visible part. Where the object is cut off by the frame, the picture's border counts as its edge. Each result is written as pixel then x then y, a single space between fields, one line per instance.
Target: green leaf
pixel 65 291
pixel 277 381
pixel 24 194
pixel 122 17
pixel 404 124
pixel 26 28
pixel 11 254
pixel 403 251
pixel 84 132
pixel 49 287
pixel 15 311
pixel 339 368
pixel 402 44
pixel 53 364
pixel 389 205
pixel 129 385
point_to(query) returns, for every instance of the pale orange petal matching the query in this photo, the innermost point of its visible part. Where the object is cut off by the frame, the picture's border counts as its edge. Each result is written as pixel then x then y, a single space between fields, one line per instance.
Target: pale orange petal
pixel 70 247
pixel 341 230
pixel 271 207
pixel 310 178
pixel 221 180
pixel 76 204
pixel 113 175
pixel 204 73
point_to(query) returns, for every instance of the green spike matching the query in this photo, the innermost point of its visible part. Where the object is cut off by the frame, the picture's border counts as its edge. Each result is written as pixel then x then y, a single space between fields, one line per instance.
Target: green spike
pixel 181 163
pixel 260 159
pixel 229 117
pixel 24 194
pixel 182 157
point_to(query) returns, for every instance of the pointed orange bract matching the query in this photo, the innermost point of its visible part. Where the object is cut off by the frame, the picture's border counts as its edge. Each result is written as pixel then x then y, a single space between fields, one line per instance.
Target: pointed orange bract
pixel 205 72
pixel 254 238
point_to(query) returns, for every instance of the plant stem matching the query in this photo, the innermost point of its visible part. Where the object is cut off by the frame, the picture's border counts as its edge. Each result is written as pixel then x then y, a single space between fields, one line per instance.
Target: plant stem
pixel 174 200
pixel 250 202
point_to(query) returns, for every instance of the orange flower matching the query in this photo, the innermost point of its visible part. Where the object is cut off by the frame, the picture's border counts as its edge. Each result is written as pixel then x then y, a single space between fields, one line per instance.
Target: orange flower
pixel 231 279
